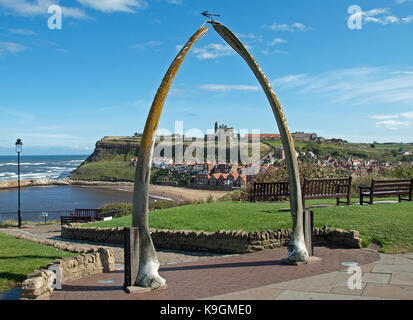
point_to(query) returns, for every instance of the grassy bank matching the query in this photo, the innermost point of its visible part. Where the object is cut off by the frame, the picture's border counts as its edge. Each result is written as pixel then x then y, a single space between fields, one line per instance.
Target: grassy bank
pixel 389 224
pixel 19 257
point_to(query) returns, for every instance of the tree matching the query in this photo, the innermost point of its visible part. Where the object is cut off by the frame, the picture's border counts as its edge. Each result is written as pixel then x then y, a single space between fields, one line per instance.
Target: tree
pixel 216 127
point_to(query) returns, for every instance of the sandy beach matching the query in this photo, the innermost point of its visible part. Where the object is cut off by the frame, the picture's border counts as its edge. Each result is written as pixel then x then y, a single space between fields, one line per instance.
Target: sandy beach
pixel 174 193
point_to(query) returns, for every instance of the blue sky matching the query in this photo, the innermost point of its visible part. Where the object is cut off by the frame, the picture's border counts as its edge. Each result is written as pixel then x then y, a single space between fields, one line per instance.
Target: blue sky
pixel 62 90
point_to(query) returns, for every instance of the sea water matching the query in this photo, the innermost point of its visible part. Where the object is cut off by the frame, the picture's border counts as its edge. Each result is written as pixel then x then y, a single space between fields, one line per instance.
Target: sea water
pixel 38 167
pixel 55 200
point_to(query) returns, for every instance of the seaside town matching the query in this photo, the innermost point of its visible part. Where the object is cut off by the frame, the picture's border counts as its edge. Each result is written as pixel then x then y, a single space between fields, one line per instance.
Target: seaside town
pixel 213 175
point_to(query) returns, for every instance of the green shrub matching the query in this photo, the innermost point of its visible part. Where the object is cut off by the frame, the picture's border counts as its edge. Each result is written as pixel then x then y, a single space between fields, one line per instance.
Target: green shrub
pixel 211 199
pixel 117 210
pixel 162 204
pixel 233 196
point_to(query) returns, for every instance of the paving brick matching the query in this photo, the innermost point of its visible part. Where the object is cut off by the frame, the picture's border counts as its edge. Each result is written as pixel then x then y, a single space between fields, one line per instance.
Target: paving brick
pixel 390 268
pixel 301 295
pixel 388 291
pixel 262 293
pixel 376 278
pixel 220 276
pixel 347 291
pixel 402 278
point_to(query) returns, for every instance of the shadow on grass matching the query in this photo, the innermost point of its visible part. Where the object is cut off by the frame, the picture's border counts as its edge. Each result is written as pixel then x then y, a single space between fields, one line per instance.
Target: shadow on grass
pixel 14 277
pixel 31 257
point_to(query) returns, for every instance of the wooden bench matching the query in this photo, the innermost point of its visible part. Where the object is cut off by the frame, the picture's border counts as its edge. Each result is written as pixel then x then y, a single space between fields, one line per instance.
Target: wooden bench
pixel 327 189
pixel 385 188
pixel 269 191
pixel 311 189
pixel 82 216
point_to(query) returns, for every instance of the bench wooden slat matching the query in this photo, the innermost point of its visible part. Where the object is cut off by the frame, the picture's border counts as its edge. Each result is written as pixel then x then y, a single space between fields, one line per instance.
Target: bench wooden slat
pixel 311 189
pixel 380 188
pixel 82 215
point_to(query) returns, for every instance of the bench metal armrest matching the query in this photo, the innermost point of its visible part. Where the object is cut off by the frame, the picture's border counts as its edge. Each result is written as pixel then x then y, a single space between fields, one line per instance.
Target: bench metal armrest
pixel 364 187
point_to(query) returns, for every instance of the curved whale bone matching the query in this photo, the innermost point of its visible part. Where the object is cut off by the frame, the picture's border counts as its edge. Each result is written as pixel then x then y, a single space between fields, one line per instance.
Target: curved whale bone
pixel 297 251
pixel 148 275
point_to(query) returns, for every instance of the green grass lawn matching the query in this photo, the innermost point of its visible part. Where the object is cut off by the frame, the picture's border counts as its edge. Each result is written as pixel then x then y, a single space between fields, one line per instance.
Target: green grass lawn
pixel 19 257
pixel 389 224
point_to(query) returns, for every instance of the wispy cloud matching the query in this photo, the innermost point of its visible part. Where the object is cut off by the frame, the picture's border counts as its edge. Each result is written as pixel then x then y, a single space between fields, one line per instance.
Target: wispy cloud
pixel 297 26
pixel 23 32
pixel 277 41
pixel 213 51
pixel 250 37
pixel 39 7
pixel 10 47
pixel 152 44
pixel 18 115
pixel 357 85
pixel 108 6
pixel 383 16
pixel 225 88
pixel 174 1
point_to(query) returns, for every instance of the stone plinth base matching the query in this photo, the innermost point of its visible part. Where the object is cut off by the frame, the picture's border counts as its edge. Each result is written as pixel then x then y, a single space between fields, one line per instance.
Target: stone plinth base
pixel 136 289
pixel 293 263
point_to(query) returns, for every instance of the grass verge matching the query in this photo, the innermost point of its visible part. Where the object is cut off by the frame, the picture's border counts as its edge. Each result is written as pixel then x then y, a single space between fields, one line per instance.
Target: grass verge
pixel 20 257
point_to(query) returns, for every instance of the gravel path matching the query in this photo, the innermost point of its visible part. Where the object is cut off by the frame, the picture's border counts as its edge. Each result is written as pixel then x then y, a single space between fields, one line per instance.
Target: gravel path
pixel 52 232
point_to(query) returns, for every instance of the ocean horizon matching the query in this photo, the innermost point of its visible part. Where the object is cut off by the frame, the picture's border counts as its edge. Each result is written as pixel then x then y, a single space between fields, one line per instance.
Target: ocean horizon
pixel 53 167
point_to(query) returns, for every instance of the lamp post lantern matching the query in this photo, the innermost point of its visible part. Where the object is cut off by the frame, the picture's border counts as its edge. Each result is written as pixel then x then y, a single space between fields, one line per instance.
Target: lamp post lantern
pixel 19 149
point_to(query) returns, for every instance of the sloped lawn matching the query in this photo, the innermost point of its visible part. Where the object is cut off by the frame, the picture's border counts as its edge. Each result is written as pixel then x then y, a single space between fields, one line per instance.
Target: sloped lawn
pixel 391 224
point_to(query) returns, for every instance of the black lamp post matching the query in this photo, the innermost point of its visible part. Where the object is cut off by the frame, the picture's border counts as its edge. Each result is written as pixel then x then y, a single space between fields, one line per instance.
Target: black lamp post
pixel 19 149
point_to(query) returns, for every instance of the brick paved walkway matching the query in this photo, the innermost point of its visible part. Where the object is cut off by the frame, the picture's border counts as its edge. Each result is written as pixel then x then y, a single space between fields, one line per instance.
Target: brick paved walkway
pixel 214 277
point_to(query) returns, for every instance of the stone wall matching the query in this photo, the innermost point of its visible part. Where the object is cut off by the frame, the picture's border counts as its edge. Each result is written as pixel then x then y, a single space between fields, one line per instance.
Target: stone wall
pixel 221 241
pixel 38 285
pixel 92 260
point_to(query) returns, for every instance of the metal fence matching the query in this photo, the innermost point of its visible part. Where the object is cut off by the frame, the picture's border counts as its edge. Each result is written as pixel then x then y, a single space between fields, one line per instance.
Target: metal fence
pixel 34 216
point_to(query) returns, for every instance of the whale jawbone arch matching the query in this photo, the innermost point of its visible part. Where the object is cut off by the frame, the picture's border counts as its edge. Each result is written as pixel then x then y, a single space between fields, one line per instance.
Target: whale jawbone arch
pixel 148 275
pixel 297 251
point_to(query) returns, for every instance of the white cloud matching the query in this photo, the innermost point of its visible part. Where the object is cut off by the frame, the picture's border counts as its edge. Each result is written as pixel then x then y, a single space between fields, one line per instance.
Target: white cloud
pixel 10 47
pixel 174 1
pixel 356 86
pixel 108 6
pixel 39 7
pixel 276 41
pixel 23 32
pixel 383 16
pixel 388 122
pixel 297 26
pixel 152 44
pixel 213 51
pixel 250 37
pixel 393 124
pixel 225 88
